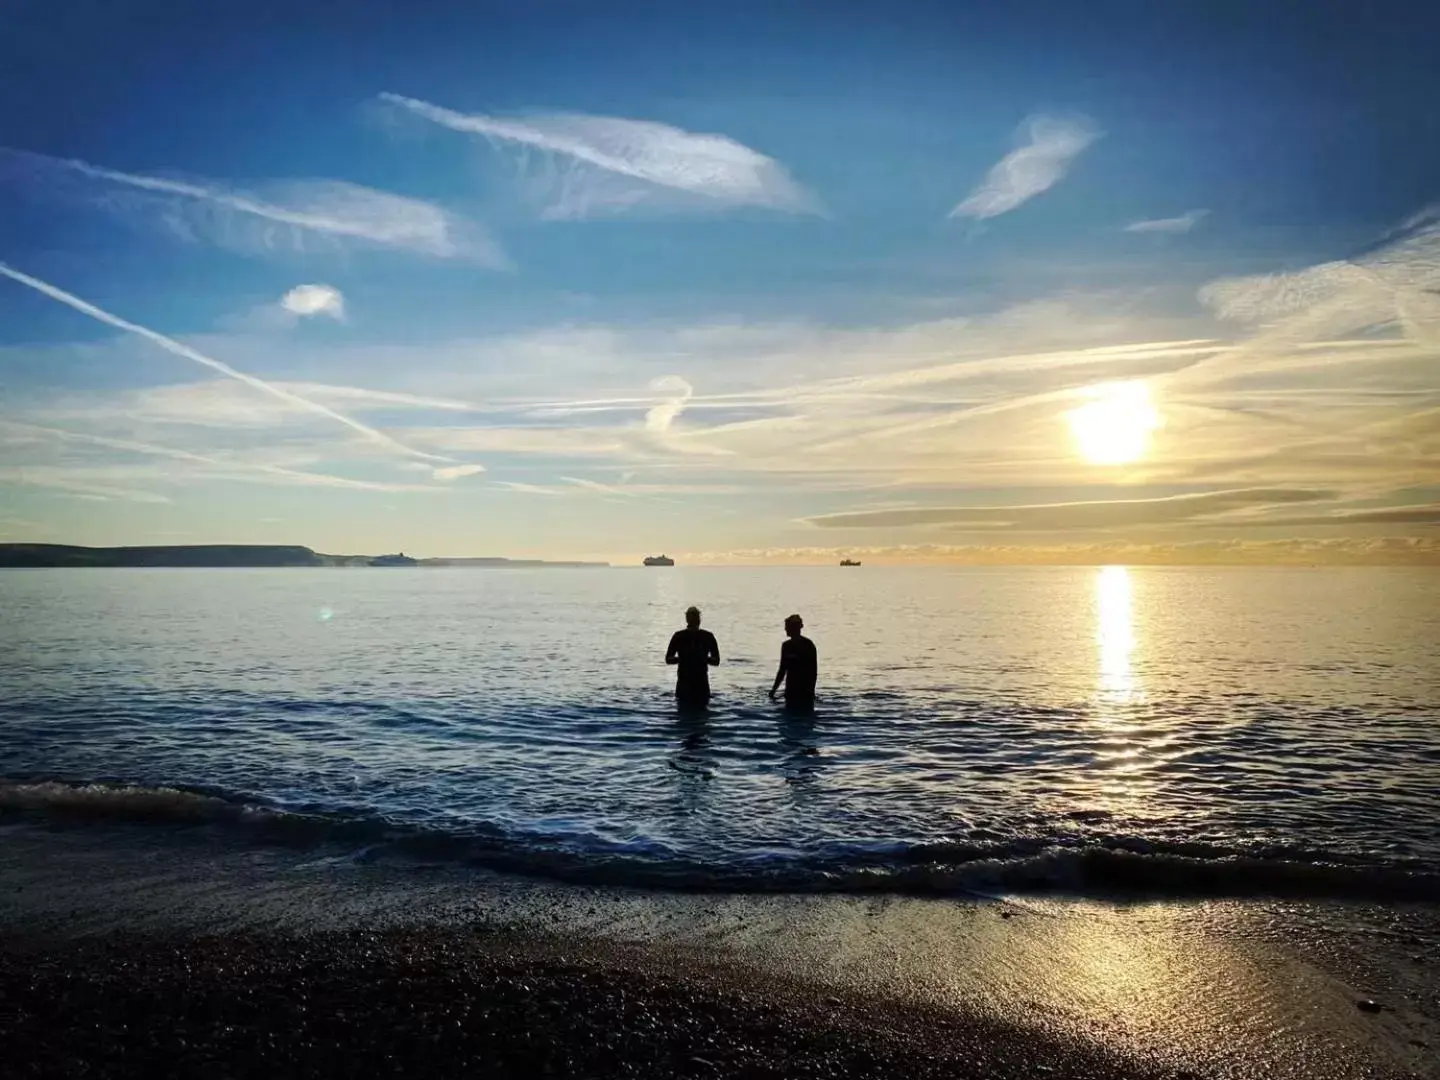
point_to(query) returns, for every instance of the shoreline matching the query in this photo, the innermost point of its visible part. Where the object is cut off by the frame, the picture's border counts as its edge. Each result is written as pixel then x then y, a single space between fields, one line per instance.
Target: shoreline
pixel 208 934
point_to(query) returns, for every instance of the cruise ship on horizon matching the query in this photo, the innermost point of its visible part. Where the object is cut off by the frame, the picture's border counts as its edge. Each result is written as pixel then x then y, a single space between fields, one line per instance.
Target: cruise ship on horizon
pixel 659 560
pixel 399 559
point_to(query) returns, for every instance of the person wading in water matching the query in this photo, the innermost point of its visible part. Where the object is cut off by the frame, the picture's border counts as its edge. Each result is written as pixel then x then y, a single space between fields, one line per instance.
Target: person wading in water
pixel 798 667
pixel 695 652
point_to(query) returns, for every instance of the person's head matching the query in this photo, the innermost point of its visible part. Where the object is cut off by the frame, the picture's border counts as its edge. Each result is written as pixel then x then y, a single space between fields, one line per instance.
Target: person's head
pixel 793 625
pixel 692 617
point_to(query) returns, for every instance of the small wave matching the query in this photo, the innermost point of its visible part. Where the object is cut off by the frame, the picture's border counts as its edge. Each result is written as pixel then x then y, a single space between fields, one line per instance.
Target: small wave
pixel 1117 865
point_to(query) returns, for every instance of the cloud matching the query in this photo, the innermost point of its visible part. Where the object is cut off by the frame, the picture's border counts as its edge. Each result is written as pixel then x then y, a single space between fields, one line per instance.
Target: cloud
pixel 811 418
pixel 310 300
pixel 1394 515
pixel 226 403
pixel 87 484
pixel 575 485
pixel 172 346
pixel 457 472
pixel 529 489
pixel 229 468
pixel 292 215
pixel 1051 144
pixel 1395 284
pixel 1116 513
pixel 596 487
pixel 1173 226
pixel 545 442
pixel 1306 551
pixel 594 165
pixel 658 418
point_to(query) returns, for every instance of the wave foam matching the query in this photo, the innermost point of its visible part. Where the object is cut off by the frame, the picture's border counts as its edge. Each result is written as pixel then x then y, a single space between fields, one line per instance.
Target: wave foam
pixel 1116 866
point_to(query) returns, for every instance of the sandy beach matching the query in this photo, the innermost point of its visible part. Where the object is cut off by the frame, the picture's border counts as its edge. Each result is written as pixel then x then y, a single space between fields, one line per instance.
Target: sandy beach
pixel 123 955
pixel 450 1001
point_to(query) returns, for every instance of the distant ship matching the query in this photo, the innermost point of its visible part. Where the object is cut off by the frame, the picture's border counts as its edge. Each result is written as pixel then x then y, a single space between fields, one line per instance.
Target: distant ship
pixel 659 560
pixel 394 560
pixel 849 562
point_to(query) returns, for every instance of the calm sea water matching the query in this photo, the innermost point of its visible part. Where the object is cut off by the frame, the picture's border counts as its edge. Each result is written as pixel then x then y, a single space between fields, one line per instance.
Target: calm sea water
pixel 1226 728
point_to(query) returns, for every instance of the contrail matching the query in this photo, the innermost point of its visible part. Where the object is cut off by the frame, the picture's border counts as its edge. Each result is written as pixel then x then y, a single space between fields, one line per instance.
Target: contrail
pixel 204 459
pixel 172 346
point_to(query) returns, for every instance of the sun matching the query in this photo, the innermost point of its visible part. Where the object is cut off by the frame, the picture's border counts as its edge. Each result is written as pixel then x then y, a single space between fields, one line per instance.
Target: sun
pixel 1114 426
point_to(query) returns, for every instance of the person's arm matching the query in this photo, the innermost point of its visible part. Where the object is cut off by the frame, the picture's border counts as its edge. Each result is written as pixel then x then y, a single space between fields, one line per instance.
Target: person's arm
pixel 672 654
pixel 779 675
pixel 714 656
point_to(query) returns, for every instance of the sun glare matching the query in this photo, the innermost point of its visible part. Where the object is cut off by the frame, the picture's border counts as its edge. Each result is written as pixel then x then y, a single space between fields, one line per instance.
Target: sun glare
pixel 1114 427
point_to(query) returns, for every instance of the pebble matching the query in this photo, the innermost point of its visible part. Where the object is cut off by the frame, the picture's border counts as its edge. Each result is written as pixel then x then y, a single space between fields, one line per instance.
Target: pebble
pixel 1370 1006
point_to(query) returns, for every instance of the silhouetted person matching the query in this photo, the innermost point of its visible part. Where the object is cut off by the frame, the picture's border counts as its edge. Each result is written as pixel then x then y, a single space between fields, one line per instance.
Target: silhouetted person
pixel 798 667
pixel 695 651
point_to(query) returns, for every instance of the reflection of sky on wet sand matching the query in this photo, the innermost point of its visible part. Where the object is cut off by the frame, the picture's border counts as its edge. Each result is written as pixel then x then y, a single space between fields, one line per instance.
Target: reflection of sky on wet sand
pixel 1185 985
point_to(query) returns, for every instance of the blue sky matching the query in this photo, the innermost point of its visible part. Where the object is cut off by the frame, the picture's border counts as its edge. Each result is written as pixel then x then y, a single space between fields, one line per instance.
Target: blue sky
pixel 766 282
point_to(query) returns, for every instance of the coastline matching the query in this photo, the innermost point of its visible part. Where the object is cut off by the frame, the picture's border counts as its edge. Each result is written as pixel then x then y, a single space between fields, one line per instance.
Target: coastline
pixel 130 946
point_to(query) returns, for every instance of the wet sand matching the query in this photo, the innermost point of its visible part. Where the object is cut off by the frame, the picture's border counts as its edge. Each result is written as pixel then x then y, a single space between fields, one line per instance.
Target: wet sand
pixel 137 951
pixel 443 1002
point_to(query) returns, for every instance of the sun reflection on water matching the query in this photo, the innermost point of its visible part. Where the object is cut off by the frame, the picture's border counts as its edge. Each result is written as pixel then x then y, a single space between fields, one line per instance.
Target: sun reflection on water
pixel 1121 748
pixel 1115 634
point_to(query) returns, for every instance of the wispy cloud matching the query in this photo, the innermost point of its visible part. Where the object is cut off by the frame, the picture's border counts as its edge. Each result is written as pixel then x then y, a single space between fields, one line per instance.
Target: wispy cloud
pixel 1387 550
pixel 1101 514
pixel 596 487
pixel 186 352
pixel 307 301
pixel 586 166
pixel 1171 225
pixel 292 215
pixel 1050 144
pixel 91 484
pixel 1396 284
pixel 926 417
pixel 457 472
pixel 229 468
pixel 1428 514
pixel 659 417
pixel 529 489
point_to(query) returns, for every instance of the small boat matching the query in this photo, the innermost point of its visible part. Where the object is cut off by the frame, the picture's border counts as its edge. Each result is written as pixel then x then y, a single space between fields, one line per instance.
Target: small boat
pixel 849 562
pixel 400 559
pixel 659 560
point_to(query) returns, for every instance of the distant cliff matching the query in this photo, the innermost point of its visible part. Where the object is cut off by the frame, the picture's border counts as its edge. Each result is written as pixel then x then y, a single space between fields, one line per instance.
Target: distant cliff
pixel 181 555
pixel 512 564
pixel 213 555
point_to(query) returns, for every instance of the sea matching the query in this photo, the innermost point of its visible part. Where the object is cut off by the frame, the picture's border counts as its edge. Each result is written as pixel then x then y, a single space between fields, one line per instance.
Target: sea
pixel 1165 730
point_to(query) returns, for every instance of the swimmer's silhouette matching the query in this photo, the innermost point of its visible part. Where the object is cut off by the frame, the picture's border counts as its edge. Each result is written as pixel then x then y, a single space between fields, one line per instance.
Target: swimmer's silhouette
pixel 798 668
pixel 695 652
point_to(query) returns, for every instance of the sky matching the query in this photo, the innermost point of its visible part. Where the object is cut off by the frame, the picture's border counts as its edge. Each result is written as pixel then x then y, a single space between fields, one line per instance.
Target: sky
pixel 773 282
